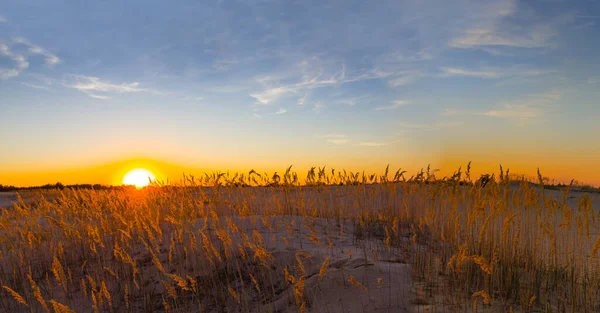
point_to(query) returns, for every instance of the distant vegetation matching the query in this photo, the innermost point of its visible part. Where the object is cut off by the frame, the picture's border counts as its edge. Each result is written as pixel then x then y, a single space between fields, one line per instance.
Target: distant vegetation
pixel 317 176
pixel 59 185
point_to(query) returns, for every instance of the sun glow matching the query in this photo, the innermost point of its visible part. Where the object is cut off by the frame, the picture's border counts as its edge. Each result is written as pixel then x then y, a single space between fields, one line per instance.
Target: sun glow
pixel 139 177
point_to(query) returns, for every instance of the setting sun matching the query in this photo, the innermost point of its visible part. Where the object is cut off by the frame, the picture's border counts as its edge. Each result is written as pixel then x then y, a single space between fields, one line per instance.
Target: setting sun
pixel 138 177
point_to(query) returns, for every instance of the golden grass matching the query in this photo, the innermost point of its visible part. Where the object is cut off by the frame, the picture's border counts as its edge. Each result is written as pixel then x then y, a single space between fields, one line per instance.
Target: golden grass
pixel 197 247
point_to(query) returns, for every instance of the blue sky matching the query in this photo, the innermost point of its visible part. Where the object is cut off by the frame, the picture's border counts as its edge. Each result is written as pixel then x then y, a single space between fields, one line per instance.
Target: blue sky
pixel 345 83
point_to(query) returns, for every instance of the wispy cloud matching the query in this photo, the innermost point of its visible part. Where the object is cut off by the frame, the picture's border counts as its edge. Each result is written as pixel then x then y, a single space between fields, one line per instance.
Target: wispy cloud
pixel 302 100
pixel 20 60
pixel 99 97
pixel 594 80
pixel 333 136
pixel 502 24
pixel 256 115
pixel 318 107
pixel 36 86
pixel 414 127
pixel 341 139
pixel 224 63
pixel 336 139
pixel 452 71
pixel 492 72
pixel 281 111
pixel 396 104
pixel 403 80
pixel 352 101
pixel 3 19
pixel 311 74
pixel 269 95
pixel 523 110
pixel 93 85
pixel 192 98
pixel 49 58
pixel 372 144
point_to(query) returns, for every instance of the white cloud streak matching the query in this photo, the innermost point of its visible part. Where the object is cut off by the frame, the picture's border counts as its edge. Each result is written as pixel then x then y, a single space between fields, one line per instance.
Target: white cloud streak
pixel 302 100
pixel 371 144
pixel 492 72
pixel 36 86
pixel 310 76
pixel 415 127
pixel 341 139
pixel 49 58
pixel 532 107
pixel 333 136
pixel 393 106
pixel 452 71
pixel 318 107
pixel 99 97
pixel 402 80
pixel 338 141
pixel 93 85
pixel 500 24
pixel 352 101
pixel 20 60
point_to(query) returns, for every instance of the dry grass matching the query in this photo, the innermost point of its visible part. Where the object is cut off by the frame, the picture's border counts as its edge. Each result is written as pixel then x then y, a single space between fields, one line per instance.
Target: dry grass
pixel 262 243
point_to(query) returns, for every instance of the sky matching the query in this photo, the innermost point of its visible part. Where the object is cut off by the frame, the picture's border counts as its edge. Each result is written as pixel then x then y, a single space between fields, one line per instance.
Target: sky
pixel 89 88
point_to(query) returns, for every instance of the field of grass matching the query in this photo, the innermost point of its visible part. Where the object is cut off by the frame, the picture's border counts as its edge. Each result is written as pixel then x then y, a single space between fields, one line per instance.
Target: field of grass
pixel 338 242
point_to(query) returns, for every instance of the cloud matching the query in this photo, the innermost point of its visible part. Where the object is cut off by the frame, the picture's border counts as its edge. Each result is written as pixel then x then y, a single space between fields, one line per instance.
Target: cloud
pixel 3 19
pixel 302 100
pixel 281 111
pixel 371 144
pixel 224 63
pixel 402 80
pixel 352 101
pixel 412 127
pixel 524 110
pixel 99 97
pixel 318 107
pixel 338 141
pixel 492 72
pixel 308 75
pixel 341 139
pixel 20 60
pixel 501 24
pixel 452 71
pixel 92 85
pixel 49 58
pixel 36 86
pixel 395 105
pixel 269 95
pixel 537 37
pixel 594 80
pixel 192 98
pixel 333 136
pixel 256 115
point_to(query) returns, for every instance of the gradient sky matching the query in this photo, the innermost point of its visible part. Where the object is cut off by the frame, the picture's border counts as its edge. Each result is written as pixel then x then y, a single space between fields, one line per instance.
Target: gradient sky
pixel 204 85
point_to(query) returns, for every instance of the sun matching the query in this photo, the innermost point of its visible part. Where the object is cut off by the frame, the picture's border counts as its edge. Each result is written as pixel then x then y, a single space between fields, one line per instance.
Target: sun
pixel 139 177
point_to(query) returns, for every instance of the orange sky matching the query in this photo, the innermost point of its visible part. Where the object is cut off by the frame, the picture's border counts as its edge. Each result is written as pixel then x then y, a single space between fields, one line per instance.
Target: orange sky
pixel 112 173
